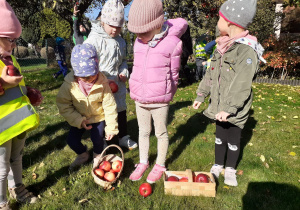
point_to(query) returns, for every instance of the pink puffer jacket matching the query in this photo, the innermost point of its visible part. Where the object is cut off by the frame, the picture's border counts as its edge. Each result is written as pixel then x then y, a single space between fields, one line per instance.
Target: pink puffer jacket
pixel 155 71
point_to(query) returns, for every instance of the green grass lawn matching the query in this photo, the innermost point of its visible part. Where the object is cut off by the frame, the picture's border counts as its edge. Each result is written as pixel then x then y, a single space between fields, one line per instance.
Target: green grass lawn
pixel 269 169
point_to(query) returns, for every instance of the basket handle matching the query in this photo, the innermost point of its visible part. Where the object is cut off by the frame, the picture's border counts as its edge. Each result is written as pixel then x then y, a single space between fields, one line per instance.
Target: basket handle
pixel 119 148
pixel 190 175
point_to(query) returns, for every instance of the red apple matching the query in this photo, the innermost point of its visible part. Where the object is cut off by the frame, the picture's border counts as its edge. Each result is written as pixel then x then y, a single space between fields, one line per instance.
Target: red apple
pixel 145 189
pixel 116 166
pixel 34 96
pixel 202 178
pixel 183 179
pixel 172 179
pixel 99 172
pixel 13 71
pixel 105 165
pixel 113 86
pixel 109 176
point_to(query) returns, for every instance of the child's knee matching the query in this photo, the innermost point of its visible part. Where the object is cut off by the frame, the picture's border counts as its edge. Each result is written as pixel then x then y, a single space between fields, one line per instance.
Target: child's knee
pixel 233 147
pixel 218 141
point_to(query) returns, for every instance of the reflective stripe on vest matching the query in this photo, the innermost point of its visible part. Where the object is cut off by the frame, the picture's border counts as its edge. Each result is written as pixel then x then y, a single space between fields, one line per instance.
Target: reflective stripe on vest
pixel 199 50
pixel 17 115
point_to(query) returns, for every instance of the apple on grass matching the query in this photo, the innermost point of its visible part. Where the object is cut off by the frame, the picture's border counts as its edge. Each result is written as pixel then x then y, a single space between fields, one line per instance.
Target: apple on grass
pixel 172 179
pixel 105 165
pixel 203 178
pixel 13 71
pixel 113 86
pixel 109 176
pixel 99 172
pixel 145 189
pixel 116 166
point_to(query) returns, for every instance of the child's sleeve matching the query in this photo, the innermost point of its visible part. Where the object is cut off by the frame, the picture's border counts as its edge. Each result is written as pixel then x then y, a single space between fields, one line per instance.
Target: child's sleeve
pixel 66 108
pixel 75 28
pixel 110 111
pixel 175 62
pixel 123 69
pixel 240 88
pixel 204 87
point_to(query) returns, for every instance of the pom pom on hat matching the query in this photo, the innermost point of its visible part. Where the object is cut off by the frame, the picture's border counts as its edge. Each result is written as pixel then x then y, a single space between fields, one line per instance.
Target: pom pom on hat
pixel 145 16
pixel 239 12
pixel 9 24
pixel 113 13
pixel 84 60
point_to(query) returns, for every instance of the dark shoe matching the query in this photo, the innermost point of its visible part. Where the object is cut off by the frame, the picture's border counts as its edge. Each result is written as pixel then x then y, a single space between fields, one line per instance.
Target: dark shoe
pixel 54 76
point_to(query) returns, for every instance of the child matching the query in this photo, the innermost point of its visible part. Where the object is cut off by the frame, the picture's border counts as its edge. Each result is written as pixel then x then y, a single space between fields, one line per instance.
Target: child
pixel 79 29
pixel 85 101
pixel 17 115
pixel 60 57
pixel 228 81
pixel 111 49
pixel 154 78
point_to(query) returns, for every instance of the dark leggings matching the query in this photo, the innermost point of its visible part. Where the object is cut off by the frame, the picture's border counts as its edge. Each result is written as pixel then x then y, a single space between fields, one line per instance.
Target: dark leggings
pixel 228 139
pixel 122 124
pixel 75 134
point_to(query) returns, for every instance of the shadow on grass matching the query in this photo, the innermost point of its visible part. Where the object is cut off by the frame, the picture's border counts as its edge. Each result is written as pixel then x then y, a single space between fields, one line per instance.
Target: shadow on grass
pixel 247 133
pixel 271 195
pixel 58 143
pixel 194 125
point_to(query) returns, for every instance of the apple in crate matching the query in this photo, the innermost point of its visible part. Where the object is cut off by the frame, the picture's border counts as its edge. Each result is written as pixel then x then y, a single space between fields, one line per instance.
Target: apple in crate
pixel 13 71
pixel 172 179
pixel 203 178
pixel 183 179
pixel 145 189
pixel 116 166
pixel 99 172
pixel 105 165
pixel 109 176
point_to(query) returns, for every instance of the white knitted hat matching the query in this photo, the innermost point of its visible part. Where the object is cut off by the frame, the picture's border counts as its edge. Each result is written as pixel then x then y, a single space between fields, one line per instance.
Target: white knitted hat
pixel 113 13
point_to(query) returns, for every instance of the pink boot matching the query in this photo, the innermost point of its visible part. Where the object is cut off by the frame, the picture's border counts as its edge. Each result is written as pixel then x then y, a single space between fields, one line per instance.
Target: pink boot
pixel 138 172
pixel 155 173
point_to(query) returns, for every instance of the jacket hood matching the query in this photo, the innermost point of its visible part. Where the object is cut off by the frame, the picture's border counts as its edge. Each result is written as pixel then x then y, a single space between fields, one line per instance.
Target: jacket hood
pixel 98 29
pixel 177 26
pixel 252 42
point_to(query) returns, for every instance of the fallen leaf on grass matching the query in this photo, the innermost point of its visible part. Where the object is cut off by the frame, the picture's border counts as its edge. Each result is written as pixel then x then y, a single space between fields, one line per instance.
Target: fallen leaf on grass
pixel 250 144
pixel 290 98
pixel 119 183
pixel 266 165
pixel 240 172
pixel 204 138
pixel 39 196
pixel 294 146
pixel 83 201
pixel 34 176
pixel 271 159
pixel 34 169
pixel 226 187
pixel 295 117
pixel 41 107
pixel 292 154
pixel 262 158
pixel 41 164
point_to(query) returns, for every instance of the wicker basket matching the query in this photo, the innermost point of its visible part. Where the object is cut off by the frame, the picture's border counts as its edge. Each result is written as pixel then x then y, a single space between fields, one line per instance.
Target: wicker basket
pixel 110 157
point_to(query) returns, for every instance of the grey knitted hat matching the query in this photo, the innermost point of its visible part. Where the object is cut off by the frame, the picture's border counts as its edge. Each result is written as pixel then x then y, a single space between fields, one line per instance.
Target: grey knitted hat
pixel 239 12
pixel 113 13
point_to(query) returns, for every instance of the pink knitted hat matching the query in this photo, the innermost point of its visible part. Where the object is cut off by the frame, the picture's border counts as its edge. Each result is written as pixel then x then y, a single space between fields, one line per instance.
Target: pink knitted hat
pixel 9 24
pixel 145 16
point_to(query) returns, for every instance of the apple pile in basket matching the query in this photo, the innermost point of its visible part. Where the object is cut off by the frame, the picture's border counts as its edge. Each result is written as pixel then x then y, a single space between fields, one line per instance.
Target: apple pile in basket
pixel 108 171
pixel 202 178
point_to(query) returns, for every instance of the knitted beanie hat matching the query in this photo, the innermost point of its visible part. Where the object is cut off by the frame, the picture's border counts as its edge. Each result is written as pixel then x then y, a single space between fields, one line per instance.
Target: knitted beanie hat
pixel 9 24
pixel 84 60
pixel 145 16
pixel 113 13
pixel 59 40
pixel 239 12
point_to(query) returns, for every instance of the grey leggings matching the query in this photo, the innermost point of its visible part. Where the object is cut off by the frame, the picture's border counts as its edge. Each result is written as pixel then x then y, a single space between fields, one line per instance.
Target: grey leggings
pixel 11 165
pixel 160 116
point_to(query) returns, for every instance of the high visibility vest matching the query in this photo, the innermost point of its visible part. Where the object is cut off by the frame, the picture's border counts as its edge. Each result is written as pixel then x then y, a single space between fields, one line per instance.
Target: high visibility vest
pixel 17 115
pixel 199 50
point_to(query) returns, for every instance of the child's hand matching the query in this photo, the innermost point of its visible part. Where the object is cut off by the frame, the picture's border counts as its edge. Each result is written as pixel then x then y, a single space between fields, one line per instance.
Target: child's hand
pixel 85 123
pixel 204 63
pixel 109 137
pixel 222 116
pixel 122 77
pixel 9 81
pixel 75 12
pixel 196 104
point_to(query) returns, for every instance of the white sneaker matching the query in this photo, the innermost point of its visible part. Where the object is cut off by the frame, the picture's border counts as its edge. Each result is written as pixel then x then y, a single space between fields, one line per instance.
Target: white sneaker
pixel 216 170
pixel 230 177
pixel 5 206
pixel 126 142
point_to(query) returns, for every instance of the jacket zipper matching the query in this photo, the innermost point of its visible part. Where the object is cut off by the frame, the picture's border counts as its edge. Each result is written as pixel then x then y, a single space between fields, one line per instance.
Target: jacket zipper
pixel 144 69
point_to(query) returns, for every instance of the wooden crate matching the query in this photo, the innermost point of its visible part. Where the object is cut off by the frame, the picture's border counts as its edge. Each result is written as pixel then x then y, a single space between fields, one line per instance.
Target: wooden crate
pixel 189 188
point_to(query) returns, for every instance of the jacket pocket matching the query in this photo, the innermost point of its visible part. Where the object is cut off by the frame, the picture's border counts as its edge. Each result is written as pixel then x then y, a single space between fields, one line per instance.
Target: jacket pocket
pixel 229 68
